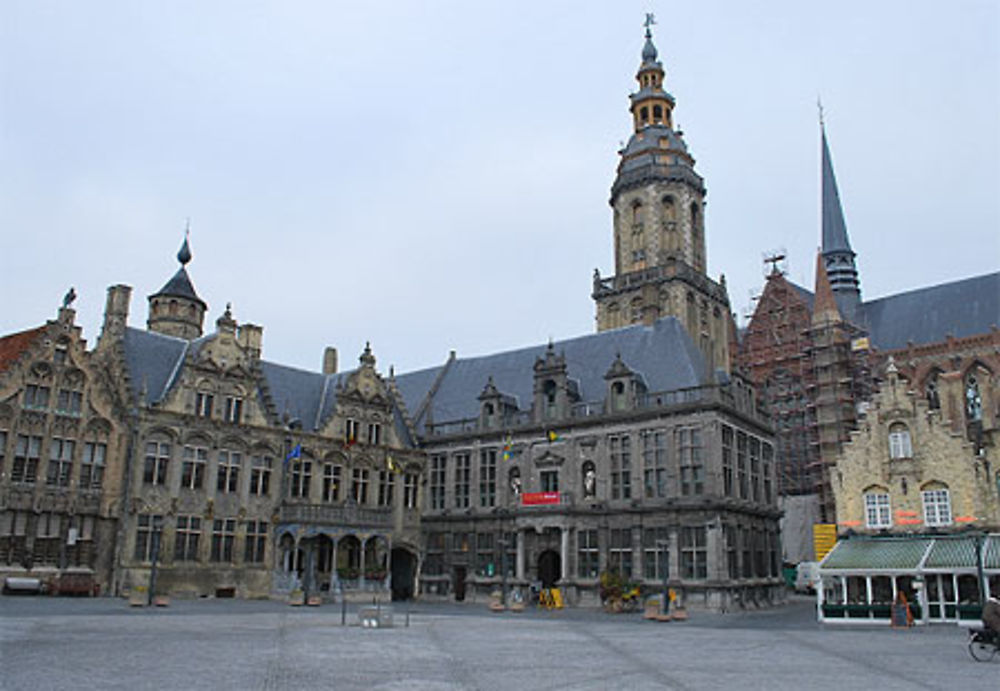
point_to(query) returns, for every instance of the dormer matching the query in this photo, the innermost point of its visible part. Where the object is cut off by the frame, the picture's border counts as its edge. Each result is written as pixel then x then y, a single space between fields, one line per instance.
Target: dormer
pixel 551 390
pixel 624 387
pixel 495 408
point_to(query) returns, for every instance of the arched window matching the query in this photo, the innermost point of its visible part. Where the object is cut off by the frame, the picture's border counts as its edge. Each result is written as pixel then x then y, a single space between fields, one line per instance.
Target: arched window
pixel 635 309
pixel 657 113
pixel 899 441
pixel 973 399
pixel 618 396
pixel 937 505
pixel 878 512
pixel 549 391
pixel 644 114
pixel 931 391
pixel 636 212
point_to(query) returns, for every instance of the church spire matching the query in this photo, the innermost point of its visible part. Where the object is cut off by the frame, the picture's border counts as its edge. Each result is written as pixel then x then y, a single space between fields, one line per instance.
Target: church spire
pixel 837 253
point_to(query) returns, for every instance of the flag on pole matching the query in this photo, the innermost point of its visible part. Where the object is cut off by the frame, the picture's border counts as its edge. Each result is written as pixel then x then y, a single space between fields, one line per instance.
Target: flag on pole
pixel 295 453
pixel 553 436
pixel 508 448
pixel 392 465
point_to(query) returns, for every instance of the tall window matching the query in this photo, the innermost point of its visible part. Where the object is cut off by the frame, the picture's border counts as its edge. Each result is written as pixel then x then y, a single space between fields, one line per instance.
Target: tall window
pixel 410 490
pixel 434 564
pixel 931 391
pixel 937 507
pixel 877 512
pixel 487 477
pixel 233 410
pixel 587 554
pixel 223 537
pixel 620 451
pixel 203 403
pixel 484 554
pixel 193 467
pixel 374 433
pixel 386 483
pixel 228 480
pixel 732 552
pixel 26 455
pixel 60 462
pixel 36 397
pixel 3 450
pixel 768 465
pixel 899 441
pixel 69 402
pixel 973 399
pixel 727 460
pixel 154 467
pixel 256 542
pixel 186 538
pixel 463 469
pixel 620 552
pixel 359 488
pixel 550 480
pixel 147 536
pixel 755 468
pixel 331 482
pixel 301 479
pixel 654 463
pixel 260 475
pixel 741 465
pixel 655 554
pixel 692 470
pixel 694 553
pixel 351 430
pixel 439 466
pixel 92 467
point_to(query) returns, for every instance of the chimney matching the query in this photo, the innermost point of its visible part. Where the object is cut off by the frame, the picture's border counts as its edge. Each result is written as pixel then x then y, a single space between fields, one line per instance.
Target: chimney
pixel 330 360
pixel 116 312
pixel 250 336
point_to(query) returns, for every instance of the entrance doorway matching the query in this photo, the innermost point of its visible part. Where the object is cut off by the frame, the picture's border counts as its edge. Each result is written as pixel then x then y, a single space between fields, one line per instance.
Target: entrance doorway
pixel 549 568
pixel 404 568
pixel 459 583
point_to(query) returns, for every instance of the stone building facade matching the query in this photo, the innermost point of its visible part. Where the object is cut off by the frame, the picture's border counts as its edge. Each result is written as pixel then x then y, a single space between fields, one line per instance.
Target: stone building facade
pixel 908 469
pixel 62 445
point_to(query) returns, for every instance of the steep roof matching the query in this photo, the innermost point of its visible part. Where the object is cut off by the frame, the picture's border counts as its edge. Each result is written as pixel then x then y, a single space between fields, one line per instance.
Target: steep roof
pixel 834 229
pixel 662 354
pixel 180 286
pixel 16 344
pixel 928 315
pixel 825 306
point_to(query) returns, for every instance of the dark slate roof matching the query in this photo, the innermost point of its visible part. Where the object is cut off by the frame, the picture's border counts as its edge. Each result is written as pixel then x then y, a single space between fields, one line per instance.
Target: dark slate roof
pixel 307 396
pixel 806 295
pixel 180 286
pixel 153 359
pixel 647 141
pixel 662 354
pixel 928 315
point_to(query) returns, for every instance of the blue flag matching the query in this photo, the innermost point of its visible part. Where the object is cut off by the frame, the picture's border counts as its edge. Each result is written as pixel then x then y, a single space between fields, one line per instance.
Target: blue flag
pixel 295 453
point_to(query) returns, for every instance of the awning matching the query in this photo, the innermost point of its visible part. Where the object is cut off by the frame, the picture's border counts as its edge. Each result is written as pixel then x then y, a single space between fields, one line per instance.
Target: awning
pixel 911 553
pixel 876 554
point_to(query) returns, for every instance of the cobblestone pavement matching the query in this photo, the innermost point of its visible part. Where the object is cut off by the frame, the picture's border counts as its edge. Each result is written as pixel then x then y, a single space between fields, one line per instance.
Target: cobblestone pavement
pixel 51 643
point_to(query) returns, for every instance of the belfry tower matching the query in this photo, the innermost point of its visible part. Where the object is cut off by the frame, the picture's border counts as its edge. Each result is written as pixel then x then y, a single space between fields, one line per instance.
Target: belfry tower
pixel 176 310
pixel 659 227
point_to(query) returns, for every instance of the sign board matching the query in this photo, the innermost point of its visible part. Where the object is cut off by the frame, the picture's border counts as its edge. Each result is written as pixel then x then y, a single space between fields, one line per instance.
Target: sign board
pixel 538 498
pixel 824 538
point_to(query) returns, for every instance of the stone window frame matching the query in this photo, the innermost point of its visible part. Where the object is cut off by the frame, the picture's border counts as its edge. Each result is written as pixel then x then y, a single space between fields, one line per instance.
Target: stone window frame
pixel 900 442
pixel 187 538
pixel 487 477
pixel 936 501
pixel 878 508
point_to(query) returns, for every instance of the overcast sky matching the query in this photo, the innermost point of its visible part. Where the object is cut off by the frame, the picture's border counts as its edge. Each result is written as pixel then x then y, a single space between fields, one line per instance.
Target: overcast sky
pixel 435 175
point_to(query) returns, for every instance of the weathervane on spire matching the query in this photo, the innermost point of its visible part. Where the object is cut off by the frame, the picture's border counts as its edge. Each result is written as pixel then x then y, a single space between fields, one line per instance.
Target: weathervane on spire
pixel 819 105
pixel 650 20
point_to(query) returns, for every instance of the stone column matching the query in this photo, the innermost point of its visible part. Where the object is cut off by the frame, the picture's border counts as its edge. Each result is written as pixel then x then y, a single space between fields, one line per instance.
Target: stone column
pixel 361 564
pixel 563 553
pixel 519 568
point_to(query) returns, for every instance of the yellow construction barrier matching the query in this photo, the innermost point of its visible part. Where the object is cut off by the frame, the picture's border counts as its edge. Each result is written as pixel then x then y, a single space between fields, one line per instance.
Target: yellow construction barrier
pixel 551 598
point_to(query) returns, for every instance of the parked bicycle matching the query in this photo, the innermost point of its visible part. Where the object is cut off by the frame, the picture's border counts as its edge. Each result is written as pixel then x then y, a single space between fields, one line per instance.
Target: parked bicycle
pixel 984 644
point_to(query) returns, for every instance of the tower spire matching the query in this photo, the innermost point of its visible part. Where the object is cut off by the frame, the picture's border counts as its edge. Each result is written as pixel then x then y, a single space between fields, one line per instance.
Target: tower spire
pixel 838 256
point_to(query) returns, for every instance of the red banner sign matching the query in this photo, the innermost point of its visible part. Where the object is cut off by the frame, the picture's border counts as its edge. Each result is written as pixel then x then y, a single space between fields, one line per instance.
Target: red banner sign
pixel 536 498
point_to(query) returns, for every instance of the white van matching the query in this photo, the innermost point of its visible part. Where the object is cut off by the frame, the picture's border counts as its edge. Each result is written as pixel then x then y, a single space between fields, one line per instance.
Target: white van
pixel 806 577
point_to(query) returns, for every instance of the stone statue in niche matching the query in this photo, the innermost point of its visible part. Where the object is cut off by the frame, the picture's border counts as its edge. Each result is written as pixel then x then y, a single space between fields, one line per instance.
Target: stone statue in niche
pixel 589 480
